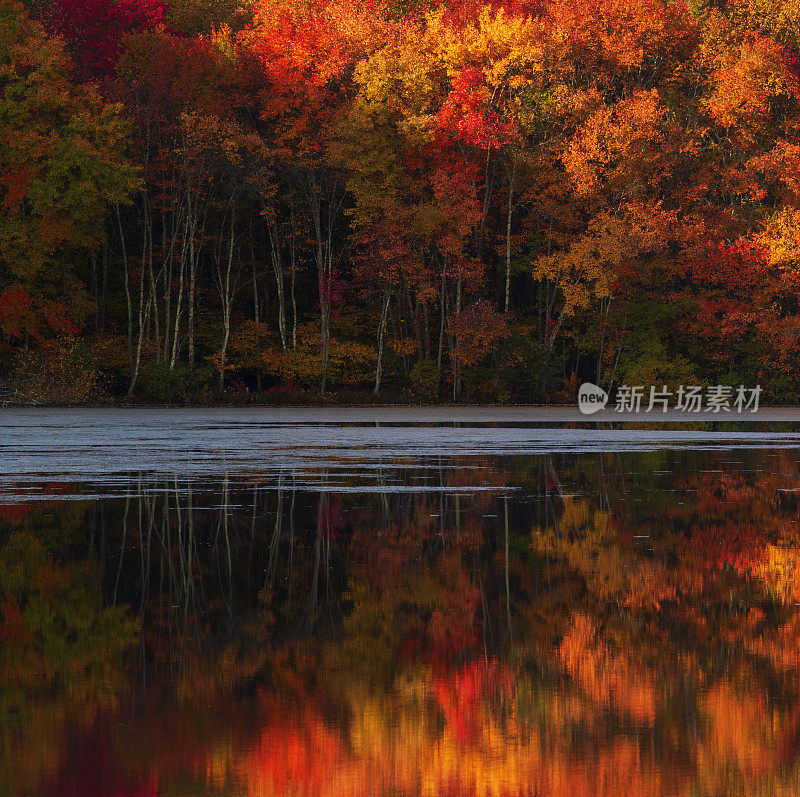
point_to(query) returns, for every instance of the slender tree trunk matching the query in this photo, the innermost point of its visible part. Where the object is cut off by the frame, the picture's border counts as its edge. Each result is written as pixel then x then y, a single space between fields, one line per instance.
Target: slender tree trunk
pixel 512 177
pixel 144 307
pixel 456 364
pixel 193 255
pixel 168 266
pixel 154 297
pixel 178 310
pixel 277 267
pixel 323 236
pixel 144 316
pixel 104 293
pixel 315 206
pixel 93 287
pixel 256 314
pixel 226 295
pixel 381 330
pixel 124 254
pixel 602 342
pixel 293 268
pixel 442 322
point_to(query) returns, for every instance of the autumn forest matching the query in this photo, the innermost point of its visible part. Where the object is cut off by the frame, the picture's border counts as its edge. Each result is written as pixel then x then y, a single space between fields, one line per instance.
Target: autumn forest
pixel 397 200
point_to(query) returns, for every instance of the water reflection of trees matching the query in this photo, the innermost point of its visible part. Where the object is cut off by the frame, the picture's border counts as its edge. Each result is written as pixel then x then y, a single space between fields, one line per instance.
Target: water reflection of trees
pixel 61 644
pixel 622 622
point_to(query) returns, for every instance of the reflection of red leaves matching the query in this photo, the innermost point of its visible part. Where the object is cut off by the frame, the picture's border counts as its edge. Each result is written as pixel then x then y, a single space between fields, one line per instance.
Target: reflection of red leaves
pixel 14 513
pixel 452 633
pixel 12 623
pixel 463 694
pixel 330 518
pixel 93 769
pixel 294 757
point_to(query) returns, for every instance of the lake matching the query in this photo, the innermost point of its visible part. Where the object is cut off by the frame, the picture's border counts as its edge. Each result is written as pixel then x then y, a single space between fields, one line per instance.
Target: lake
pixel 398 601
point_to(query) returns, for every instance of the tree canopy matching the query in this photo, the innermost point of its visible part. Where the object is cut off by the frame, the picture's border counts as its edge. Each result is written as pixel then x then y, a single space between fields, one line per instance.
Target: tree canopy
pixel 448 200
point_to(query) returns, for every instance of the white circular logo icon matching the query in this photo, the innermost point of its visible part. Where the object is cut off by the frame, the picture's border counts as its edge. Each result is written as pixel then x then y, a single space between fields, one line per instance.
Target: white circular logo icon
pixel 591 398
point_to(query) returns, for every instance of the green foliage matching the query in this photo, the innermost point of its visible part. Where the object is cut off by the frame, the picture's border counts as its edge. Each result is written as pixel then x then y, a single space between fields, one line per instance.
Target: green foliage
pixel 61 649
pixel 424 379
pixel 61 150
pixel 199 17
pixel 176 385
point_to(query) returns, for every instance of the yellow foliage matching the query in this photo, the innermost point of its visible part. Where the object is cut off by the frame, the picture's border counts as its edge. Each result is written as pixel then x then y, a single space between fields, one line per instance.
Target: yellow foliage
pixel 588 269
pixel 495 44
pixel 781 238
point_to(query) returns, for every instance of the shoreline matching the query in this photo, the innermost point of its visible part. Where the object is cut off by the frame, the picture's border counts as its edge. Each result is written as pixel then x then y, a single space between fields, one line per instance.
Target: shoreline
pixel 432 413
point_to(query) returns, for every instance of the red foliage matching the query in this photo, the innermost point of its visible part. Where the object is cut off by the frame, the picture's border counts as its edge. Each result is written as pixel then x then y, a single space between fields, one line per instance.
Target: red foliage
pixel 20 314
pixel 17 313
pixel 467 117
pixel 57 317
pixel 95 29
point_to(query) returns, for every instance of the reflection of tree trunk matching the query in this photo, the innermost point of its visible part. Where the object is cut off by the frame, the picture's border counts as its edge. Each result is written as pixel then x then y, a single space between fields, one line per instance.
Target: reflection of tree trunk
pixel 151 519
pixel 122 547
pixel 253 520
pixel 384 497
pixel 276 534
pixel 182 555
pixel 485 624
pixel 291 538
pixel 192 542
pixel 313 595
pixel 225 506
pixel 508 589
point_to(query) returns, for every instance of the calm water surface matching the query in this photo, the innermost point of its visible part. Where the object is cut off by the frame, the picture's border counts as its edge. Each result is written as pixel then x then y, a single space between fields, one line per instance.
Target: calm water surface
pixel 397 602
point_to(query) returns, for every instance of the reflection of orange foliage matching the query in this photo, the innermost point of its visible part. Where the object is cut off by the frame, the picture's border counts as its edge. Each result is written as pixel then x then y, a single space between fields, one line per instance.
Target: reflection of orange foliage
pixel 293 756
pixel 741 731
pixel 395 745
pixel 607 677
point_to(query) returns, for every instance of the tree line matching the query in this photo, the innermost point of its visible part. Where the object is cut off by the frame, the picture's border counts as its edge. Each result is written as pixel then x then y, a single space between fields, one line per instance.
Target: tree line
pixel 397 199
